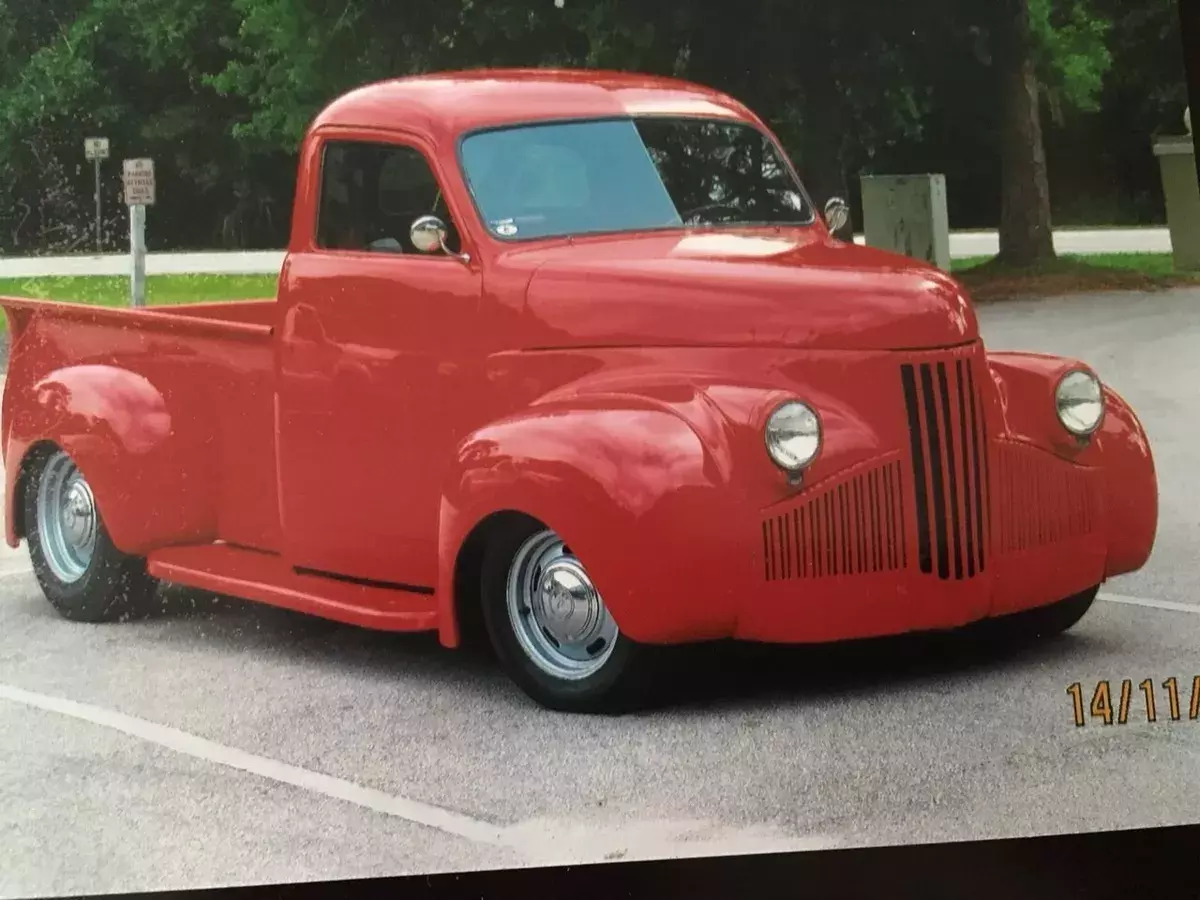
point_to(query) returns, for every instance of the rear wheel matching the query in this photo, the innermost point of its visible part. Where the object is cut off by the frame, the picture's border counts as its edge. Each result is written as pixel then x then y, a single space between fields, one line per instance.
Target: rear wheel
pixel 83 575
pixel 551 629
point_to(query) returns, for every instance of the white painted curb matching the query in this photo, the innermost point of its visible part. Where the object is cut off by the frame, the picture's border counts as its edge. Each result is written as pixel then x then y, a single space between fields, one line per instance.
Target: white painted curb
pixel 963 244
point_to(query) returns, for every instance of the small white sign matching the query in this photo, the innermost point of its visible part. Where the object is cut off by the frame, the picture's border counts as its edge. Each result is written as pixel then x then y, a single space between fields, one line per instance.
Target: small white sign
pixel 95 148
pixel 139 182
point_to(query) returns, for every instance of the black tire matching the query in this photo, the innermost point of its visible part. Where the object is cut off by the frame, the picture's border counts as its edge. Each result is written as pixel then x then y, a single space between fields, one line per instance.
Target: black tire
pixel 619 686
pixel 113 587
pixel 1046 621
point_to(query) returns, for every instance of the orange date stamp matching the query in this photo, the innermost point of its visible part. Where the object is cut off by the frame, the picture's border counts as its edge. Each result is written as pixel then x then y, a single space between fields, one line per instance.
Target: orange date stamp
pixel 1136 701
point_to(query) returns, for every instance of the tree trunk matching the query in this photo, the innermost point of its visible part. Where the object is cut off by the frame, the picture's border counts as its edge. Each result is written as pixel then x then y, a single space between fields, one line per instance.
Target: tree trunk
pixel 822 132
pixel 1026 236
pixel 822 170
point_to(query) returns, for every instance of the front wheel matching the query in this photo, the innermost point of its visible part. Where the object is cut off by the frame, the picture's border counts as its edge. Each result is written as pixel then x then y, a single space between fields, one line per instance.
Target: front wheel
pixel 550 627
pixel 1046 621
pixel 83 575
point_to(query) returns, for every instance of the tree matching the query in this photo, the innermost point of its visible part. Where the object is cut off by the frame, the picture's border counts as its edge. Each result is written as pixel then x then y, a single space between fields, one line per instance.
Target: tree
pixel 1042 48
pixel 221 92
pixel 133 71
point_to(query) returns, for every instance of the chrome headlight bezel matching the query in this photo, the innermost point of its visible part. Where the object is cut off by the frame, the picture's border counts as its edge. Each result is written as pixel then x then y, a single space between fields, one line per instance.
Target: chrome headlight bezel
pixel 1077 390
pixel 796 422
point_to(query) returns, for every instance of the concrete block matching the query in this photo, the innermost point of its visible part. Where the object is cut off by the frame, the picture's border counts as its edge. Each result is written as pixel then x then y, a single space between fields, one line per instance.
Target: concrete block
pixel 907 214
pixel 1181 189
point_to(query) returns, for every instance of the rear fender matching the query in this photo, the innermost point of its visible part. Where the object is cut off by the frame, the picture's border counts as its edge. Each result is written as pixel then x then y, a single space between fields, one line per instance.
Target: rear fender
pixel 607 473
pixel 145 464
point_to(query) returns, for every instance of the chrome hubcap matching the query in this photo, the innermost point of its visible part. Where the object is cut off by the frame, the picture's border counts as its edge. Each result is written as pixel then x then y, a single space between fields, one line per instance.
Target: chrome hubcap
pixel 66 519
pixel 557 614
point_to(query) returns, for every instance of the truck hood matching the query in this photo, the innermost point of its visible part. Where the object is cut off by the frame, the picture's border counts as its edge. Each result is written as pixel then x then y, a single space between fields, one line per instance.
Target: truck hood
pixel 766 288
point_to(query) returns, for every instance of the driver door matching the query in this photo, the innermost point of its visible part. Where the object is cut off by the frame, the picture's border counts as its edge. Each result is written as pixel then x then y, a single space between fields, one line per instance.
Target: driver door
pixel 371 356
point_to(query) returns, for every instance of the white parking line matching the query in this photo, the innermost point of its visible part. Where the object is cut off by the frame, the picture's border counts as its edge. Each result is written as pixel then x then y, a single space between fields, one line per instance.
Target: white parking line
pixel 1171 605
pixel 542 841
pixel 445 820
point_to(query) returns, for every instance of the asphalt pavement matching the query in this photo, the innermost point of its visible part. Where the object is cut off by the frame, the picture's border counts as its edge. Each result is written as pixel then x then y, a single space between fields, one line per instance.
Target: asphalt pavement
pixel 963 244
pixel 220 742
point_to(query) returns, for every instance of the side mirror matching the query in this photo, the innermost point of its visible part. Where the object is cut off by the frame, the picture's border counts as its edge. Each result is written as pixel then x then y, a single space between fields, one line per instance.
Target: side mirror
pixel 837 214
pixel 428 234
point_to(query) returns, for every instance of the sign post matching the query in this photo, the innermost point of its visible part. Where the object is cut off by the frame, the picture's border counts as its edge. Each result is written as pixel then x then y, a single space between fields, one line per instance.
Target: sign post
pixel 96 150
pixel 139 193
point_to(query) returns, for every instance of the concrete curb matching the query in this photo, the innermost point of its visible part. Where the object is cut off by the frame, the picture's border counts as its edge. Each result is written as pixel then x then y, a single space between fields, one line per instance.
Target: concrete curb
pixel 963 245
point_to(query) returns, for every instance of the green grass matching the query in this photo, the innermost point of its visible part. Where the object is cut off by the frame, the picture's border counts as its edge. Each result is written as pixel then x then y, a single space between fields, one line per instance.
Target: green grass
pixel 161 290
pixel 989 279
pixel 1158 265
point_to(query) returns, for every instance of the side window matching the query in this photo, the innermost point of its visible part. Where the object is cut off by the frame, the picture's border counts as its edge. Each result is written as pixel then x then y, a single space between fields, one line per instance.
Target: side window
pixel 372 193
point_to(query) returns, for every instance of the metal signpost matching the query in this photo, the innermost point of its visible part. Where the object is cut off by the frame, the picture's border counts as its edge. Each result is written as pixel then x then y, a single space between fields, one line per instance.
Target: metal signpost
pixel 139 193
pixel 96 150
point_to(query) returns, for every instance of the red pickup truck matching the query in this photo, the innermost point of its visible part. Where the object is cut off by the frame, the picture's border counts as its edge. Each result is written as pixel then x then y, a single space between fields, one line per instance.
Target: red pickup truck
pixel 569 356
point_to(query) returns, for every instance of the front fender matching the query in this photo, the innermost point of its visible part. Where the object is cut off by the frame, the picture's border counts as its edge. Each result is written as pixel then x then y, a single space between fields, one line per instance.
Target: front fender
pixel 633 489
pixel 1131 486
pixel 1025 384
pixel 138 457
pixel 1119 450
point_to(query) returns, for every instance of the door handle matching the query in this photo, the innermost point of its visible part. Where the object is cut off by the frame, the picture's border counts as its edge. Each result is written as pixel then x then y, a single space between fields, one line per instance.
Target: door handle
pixel 303 323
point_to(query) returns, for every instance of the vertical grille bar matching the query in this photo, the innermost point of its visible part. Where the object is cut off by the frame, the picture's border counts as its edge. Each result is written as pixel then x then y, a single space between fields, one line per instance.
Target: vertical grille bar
pixel 888 515
pixel 924 554
pixel 876 523
pixel 766 525
pixel 936 475
pixel 951 468
pixel 968 472
pixel 981 458
pixel 785 534
pixel 830 546
pixel 771 550
pixel 799 542
pixel 814 517
pixel 860 519
pixel 842 521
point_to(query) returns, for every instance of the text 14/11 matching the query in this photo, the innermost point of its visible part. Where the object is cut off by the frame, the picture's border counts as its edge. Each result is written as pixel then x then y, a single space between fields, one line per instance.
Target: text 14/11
pixel 1103 708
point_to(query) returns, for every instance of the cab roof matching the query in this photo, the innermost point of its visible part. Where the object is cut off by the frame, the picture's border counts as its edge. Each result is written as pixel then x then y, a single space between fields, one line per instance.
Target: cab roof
pixel 452 103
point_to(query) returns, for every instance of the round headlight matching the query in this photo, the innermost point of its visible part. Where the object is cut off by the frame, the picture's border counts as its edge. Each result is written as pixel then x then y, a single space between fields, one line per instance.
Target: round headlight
pixel 793 436
pixel 1079 402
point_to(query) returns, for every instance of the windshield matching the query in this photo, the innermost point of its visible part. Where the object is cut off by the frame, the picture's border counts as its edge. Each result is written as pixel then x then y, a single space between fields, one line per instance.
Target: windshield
pixel 628 175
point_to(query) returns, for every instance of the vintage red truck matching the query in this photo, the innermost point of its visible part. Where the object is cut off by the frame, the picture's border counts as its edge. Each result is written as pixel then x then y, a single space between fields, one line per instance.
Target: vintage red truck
pixel 569 355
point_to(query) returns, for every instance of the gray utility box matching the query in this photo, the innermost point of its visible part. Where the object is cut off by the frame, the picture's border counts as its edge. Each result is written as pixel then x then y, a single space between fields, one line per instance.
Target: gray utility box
pixel 907 214
pixel 1177 160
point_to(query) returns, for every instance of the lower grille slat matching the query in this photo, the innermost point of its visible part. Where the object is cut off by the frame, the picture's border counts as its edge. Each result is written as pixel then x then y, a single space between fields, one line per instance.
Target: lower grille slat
pixel 847 529
pixel 1044 501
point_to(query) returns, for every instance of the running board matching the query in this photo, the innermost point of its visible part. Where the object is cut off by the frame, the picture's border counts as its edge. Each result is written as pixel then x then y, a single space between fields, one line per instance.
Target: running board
pixel 267 578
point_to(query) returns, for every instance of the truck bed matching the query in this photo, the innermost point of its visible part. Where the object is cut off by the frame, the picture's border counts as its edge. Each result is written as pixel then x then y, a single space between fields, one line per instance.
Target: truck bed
pixel 192 390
